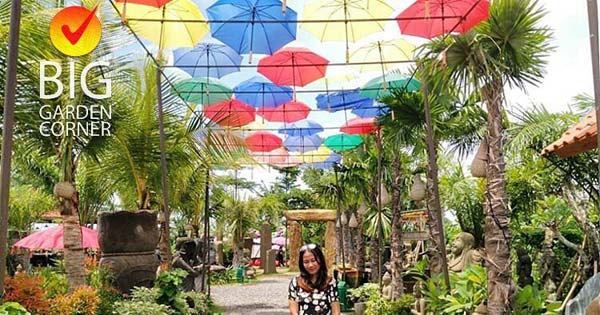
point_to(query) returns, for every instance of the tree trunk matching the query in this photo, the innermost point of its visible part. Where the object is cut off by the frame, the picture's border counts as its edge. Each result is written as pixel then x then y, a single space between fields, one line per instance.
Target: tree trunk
pixel 592 234
pixel 375 259
pixel 360 245
pixel 397 245
pixel 347 244
pixel 73 251
pixel 497 233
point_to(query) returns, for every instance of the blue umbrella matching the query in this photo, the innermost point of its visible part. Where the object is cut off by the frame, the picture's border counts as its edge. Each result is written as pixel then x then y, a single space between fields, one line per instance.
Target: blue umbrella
pixel 302 143
pixel 301 128
pixel 342 100
pixel 208 60
pixel 374 110
pixel 260 92
pixel 249 26
pixel 327 164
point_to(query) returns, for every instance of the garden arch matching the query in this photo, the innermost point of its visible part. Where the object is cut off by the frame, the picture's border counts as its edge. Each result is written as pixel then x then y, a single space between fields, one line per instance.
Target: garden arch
pixel 295 233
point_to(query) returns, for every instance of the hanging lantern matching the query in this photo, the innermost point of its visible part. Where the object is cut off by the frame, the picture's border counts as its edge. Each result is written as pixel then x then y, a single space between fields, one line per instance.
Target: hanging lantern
pixel 385 196
pixel 353 223
pixel 344 218
pixel 362 209
pixel 479 164
pixel 417 192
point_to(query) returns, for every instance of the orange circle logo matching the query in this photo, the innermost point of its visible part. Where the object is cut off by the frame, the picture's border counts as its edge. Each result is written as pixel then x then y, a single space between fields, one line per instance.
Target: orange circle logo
pixel 75 31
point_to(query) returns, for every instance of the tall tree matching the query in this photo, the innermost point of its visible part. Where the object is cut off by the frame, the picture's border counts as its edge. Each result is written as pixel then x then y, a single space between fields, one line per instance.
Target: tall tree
pixel 507 49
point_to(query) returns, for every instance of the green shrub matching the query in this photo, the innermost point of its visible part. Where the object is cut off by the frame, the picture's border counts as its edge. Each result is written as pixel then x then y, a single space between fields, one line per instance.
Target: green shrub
pixel 364 292
pixel 530 301
pixel 108 297
pixel 142 294
pixel 54 282
pixel 140 308
pixel 224 277
pixel 13 308
pixel 197 302
pixel 378 305
pixel 169 285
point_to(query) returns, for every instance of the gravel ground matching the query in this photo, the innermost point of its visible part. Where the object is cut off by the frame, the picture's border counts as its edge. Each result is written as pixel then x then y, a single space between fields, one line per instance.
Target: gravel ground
pixel 267 297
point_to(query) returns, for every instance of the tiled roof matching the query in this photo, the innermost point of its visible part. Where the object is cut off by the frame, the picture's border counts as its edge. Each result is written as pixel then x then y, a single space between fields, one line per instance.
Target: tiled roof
pixel 577 139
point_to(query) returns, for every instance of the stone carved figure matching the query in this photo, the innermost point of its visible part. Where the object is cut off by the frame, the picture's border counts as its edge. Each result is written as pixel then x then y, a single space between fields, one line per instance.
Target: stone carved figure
pixel 387 291
pixel 462 253
pixel 524 268
pixel 187 257
pixel 548 266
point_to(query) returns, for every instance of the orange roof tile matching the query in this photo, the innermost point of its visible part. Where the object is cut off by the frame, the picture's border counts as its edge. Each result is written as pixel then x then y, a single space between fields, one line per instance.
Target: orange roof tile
pixel 577 139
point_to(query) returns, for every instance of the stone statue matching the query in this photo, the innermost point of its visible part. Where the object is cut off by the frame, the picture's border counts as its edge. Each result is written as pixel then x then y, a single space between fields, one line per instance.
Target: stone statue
pixel 594 307
pixel 481 309
pixel 387 291
pixel 462 253
pixel 524 268
pixel 548 266
pixel 250 272
pixel 186 257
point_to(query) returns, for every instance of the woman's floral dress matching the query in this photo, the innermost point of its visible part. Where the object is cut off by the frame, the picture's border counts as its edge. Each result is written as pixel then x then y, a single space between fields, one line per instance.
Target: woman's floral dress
pixel 317 302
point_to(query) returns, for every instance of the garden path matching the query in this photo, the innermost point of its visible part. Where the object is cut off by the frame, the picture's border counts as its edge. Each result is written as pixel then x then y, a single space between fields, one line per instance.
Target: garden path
pixel 267 296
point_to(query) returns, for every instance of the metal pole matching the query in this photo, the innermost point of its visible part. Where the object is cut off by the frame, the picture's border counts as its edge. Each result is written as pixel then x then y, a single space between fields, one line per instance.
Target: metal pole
pixel 431 152
pixel 206 269
pixel 379 216
pixel 592 8
pixel 339 209
pixel 163 162
pixel 7 132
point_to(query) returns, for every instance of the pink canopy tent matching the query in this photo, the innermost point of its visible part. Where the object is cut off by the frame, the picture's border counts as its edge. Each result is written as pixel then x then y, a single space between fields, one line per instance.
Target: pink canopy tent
pixel 52 238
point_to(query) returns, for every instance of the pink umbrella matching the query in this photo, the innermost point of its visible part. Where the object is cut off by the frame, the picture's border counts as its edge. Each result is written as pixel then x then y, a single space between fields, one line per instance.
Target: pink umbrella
pixel 279 240
pixel 262 141
pixel 52 238
pixel 359 126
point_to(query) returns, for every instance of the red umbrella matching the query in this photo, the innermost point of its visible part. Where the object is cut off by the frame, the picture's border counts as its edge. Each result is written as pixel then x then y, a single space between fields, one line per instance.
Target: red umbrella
pixel 359 126
pixel 263 141
pixel 430 18
pixel 289 112
pixel 231 113
pixel 52 238
pixel 293 66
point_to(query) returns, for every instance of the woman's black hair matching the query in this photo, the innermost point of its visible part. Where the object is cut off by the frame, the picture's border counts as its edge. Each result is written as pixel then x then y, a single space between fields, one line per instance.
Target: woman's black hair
pixel 321 281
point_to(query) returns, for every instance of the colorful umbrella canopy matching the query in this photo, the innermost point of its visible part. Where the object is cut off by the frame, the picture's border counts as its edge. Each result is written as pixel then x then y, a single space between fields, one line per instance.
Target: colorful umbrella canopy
pixel 293 66
pixel 207 60
pixel 382 86
pixel 382 55
pixel 288 112
pixel 368 111
pixel 302 128
pixel 345 10
pixel 342 142
pixel 260 92
pixel 52 238
pixel 202 90
pixel 431 18
pixel 167 26
pixel 231 113
pixel 333 159
pixel 359 126
pixel 279 157
pixel 262 141
pixel 321 154
pixel 261 27
pixel 302 143
pixel 342 100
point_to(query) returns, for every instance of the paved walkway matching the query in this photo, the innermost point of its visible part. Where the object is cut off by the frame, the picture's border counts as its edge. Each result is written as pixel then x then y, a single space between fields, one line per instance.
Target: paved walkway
pixel 267 297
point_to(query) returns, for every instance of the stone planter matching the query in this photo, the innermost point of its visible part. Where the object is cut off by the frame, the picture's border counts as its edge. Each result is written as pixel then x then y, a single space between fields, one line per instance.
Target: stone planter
pixel 360 308
pixel 128 242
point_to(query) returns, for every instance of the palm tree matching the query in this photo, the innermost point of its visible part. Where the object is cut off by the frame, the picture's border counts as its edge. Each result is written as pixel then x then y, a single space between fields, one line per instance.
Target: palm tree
pixel 67 150
pixel 508 48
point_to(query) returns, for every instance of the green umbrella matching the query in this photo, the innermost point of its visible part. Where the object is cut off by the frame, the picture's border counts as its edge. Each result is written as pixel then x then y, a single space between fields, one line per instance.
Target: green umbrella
pixel 202 90
pixel 342 142
pixel 382 86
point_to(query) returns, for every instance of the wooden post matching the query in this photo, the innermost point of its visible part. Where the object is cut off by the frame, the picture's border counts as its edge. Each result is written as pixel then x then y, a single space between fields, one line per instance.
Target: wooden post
pixel 295 243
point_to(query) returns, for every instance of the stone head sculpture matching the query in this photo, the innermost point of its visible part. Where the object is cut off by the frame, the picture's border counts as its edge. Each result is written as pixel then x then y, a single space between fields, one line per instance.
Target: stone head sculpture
pixel 463 242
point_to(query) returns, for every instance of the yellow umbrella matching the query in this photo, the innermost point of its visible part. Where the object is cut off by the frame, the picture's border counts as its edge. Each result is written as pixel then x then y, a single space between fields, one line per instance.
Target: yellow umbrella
pixel 166 26
pixel 339 13
pixel 337 75
pixel 382 54
pixel 315 156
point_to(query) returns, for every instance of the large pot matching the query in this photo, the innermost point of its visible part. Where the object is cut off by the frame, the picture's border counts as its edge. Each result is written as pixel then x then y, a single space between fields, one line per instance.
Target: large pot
pixel 360 308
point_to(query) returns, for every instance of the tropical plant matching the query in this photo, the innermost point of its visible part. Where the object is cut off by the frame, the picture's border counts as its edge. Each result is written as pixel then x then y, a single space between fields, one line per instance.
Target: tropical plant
pixel 509 48
pixel 13 308
pixel 530 301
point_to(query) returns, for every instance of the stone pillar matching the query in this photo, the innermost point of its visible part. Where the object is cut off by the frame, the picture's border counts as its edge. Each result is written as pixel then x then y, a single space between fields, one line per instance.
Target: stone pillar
pixel 295 234
pixel 265 243
pixel 330 242
pixel 270 261
pixel 219 253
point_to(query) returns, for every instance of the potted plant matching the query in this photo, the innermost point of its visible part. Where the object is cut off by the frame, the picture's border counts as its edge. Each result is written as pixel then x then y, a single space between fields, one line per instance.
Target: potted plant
pixel 361 295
